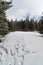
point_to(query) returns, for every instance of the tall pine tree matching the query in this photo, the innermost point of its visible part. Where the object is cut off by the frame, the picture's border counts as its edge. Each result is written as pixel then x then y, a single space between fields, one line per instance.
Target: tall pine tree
pixel 41 25
pixel 3 21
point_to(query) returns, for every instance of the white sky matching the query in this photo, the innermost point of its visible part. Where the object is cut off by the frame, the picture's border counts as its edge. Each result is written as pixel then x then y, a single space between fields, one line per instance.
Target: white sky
pixel 23 7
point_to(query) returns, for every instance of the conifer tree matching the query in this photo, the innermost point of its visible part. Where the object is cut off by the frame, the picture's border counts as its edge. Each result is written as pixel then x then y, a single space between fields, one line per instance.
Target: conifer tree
pixel 40 24
pixel 4 5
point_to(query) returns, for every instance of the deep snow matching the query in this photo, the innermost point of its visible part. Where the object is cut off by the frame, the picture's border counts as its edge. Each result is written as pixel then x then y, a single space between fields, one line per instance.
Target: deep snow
pixel 22 48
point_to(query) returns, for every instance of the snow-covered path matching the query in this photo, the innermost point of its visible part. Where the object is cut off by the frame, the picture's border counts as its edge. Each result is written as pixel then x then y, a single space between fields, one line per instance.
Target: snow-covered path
pixel 22 48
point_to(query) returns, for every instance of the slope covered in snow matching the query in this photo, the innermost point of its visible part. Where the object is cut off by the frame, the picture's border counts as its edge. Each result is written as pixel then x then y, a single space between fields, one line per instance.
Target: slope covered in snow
pixel 22 48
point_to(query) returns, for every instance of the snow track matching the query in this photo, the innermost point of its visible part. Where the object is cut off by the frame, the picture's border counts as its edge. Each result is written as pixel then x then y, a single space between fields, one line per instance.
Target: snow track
pixel 22 48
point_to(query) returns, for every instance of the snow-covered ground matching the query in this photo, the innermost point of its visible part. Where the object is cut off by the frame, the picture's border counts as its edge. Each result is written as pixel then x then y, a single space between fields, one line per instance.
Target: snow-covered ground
pixel 22 48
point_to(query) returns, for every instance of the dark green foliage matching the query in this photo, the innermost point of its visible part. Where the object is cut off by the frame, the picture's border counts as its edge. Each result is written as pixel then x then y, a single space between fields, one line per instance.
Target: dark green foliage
pixel 11 26
pixel 26 25
pixel 3 21
pixel 41 25
pixel 31 25
pixel 36 25
pixel 3 27
pixel 22 26
pixel 5 5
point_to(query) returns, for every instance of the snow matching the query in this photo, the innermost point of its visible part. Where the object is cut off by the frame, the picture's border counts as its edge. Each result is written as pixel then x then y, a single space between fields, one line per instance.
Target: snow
pixel 22 48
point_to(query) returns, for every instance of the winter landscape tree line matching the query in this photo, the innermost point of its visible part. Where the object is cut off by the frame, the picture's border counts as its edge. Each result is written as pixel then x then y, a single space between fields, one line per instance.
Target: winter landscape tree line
pixel 7 26
pixel 26 25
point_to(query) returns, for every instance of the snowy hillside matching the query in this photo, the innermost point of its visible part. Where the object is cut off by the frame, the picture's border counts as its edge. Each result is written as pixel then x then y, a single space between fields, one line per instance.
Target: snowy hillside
pixel 22 48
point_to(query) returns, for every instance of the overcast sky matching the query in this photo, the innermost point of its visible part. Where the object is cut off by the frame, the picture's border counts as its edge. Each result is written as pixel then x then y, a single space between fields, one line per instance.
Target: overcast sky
pixel 21 8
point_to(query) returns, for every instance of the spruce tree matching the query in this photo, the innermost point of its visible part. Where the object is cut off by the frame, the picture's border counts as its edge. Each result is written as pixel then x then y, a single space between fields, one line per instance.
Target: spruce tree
pixel 3 21
pixel 40 24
